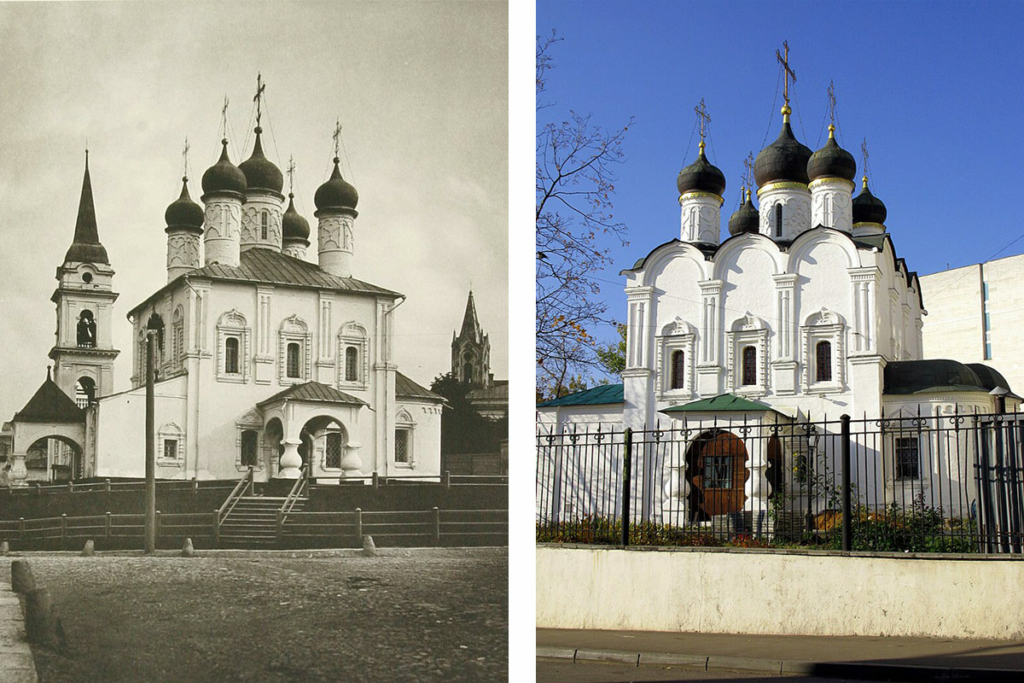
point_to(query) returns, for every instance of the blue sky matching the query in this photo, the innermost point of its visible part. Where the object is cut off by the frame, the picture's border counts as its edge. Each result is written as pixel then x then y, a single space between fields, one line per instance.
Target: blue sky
pixel 935 87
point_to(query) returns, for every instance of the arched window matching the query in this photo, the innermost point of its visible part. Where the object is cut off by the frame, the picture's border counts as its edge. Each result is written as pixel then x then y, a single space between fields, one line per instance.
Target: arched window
pixel 293 360
pixel 264 224
pixel 250 448
pixel 678 370
pixel 778 220
pixel 823 357
pixel 85 392
pixel 351 364
pixel 332 450
pixel 749 366
pixel 86 330
pixel 231 355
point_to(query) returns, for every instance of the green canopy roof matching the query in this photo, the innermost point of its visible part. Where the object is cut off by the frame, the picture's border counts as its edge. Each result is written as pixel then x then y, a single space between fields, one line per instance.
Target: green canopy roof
pixel 605 394
pixel 720 404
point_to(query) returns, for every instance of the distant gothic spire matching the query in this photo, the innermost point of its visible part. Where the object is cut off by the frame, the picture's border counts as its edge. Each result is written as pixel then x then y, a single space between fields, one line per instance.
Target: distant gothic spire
pixel 470 323
pixel 86 245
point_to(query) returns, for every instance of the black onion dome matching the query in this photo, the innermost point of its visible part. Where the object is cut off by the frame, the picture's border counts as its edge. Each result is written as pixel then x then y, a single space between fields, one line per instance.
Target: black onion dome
pixel 183 213
pixel 294 226
pixel 223 176
pixel 260 172
pixel 832 161
pixel 784 159
pixel 867 208
pixel 701 176
pixel 336 193
pixel 746 219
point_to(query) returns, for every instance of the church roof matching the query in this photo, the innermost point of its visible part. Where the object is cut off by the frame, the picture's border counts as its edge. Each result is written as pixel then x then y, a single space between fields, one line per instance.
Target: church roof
pixel 496 392
pixel 605 394
pixel 406 388
pixel 313 392
pixel 50 404
pixel 989 376
pixel 259 266
pixel 930 376
pixel 723 403
pixel 86 247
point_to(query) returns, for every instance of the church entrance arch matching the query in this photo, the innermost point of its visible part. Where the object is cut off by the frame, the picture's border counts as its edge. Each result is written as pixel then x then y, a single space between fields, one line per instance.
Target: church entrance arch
pixel 54 458
pixel 324 441
pixel 717 467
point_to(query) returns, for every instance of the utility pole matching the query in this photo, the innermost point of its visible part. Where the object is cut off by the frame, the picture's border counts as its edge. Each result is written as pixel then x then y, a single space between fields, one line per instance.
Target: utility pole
pixel 150 444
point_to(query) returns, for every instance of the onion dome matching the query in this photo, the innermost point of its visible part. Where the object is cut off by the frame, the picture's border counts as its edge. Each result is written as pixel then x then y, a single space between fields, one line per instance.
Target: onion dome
pixel 223 176
pixel 701 176
pixel 336 193
pixel 746 219
pixel 867 208
pixel 294 226
pixel 260 172
pixel 831 161
pixel 183 213
pixel 784 159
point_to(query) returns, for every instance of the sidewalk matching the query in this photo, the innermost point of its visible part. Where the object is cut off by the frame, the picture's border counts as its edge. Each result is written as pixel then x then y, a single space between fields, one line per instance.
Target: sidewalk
pixel 876 658
pixel 16 664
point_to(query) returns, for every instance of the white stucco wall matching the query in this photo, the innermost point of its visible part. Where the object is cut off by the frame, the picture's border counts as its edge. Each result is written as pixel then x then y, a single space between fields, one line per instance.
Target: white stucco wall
pixel 774 593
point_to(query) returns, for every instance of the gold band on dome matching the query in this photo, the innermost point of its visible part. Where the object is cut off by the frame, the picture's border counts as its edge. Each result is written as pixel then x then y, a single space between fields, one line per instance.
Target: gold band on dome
pixel 818 182
pixel 693 194
pixel 783 185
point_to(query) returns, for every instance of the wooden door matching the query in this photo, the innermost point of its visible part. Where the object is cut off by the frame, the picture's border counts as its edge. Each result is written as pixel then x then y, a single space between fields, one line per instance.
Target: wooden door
pixel 718 472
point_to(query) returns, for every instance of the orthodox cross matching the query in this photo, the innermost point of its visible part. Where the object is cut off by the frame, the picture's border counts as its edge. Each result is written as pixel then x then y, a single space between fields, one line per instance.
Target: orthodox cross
pixel 337 136
pixel 832 103
pixel 702 114
pixel 291 174
pixel 184 157
pixel 224 115
pixel 748 174
pixel 864 155
pixel 258 99
pixel 790 74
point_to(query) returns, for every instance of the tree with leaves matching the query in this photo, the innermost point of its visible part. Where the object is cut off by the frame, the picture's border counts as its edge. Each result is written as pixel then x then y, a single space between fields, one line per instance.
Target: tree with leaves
pixel 575 183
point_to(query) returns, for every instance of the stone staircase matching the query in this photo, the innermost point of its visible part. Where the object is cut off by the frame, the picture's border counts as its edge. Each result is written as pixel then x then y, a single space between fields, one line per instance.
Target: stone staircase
pixel 252 522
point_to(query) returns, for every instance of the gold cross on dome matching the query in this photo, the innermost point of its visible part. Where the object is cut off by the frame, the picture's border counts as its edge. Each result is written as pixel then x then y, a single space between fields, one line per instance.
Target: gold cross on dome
pixel 864 155
pixel 748 175
pixel 184 156
pixel 702 113
pixel 832 102
pixel 790 74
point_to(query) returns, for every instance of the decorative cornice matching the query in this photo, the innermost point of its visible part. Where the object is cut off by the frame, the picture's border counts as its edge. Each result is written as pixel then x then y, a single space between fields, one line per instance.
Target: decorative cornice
pixel 828 180
pixel 782 185
pixel 697 194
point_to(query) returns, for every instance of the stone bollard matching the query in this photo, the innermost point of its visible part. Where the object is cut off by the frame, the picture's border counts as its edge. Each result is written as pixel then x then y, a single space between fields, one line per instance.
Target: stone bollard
pixel 369 549
pixel 5 548
pixel 186 548
pixel 22 580
pixel 42 625
pixel 89 550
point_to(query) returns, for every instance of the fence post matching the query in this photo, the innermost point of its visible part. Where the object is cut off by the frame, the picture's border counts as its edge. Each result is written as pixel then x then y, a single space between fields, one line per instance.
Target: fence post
pixel 156 529
pixel 63 530
pixel 847 511
pixel 216 527
pixel 106 526
pixel 437 526
pixel 447 479
pixel 359 525
pixel 376 481
pixel 106 485
pixel 627 466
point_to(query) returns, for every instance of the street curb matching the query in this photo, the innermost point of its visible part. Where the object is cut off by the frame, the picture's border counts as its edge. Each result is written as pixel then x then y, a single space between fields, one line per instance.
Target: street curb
pixel 861 670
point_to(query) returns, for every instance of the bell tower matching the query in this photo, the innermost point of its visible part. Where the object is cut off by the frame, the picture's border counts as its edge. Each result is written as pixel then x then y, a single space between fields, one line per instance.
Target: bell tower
pixel 471 350
pixel 83 354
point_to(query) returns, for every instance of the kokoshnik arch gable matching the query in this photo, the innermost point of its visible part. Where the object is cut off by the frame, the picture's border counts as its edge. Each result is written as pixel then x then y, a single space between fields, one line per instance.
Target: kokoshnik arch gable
pixel 263 358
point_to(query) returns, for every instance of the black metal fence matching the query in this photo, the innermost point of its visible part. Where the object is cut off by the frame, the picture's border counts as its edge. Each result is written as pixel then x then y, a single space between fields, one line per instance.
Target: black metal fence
pixel 947 482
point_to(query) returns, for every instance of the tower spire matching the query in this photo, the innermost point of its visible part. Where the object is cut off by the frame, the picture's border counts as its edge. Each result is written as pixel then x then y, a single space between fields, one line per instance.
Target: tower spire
pixel 86 247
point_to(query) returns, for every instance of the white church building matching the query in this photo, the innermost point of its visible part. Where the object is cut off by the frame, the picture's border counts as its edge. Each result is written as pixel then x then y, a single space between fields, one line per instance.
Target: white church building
pixel 263 359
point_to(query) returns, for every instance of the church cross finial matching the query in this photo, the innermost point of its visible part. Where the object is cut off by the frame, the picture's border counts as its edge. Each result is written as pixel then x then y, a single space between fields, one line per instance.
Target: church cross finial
pixel 864 155
pixel 258 99
pixel 789 73
pixel 702 114
pixel 291 174
pixel 337 136
pixel 184 158
pixel 224 116
pixel 832 105
pixel 748 174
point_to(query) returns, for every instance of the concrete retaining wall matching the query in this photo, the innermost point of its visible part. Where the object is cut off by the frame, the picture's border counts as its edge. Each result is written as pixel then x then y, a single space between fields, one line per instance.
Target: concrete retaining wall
pixel 779 592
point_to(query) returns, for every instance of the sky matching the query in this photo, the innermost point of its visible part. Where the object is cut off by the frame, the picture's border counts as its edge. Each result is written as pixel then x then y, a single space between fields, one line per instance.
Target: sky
pixel 934 87
pixel 421 92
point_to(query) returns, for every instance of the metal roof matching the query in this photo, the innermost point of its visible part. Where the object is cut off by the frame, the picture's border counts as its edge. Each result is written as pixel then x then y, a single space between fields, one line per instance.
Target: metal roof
pixel 50 404
pixel 313 392
pixel 406 388
pixel 721 404
pixel 606 394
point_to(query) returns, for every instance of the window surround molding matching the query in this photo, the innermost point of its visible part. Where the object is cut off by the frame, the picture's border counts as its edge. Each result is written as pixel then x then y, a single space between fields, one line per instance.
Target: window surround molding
pixel 911 426
pixel 677 335
pixel 233 325
pixel 404 423
pixel 293 330
pixel 823 325
pixel 250 422
pixel 170 432
pixel 747 331
pixel 352 334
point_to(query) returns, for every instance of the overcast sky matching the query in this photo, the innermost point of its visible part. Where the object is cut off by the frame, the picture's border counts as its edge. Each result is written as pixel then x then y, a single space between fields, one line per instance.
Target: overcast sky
pixel 421 90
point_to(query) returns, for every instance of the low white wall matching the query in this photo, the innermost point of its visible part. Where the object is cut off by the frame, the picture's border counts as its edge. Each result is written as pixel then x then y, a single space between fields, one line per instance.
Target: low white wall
pixel 778 593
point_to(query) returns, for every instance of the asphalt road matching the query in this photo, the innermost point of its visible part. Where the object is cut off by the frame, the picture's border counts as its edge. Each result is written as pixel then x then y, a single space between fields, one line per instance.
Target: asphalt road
pixel 560 671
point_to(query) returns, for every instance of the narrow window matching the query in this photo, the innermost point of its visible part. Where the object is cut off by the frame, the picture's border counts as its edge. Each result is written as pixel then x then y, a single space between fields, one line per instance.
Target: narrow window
pixel 778 220
pixel 907 460
pixel 170 449
pixel 678 370
pixel 250 447
pixel 231 355
pixel 749 366
pixel 293 360
pixel 351 359
pixel 402 445
pixel 332 454
pixel 86 330
pixel 264 223
pixel 823 354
